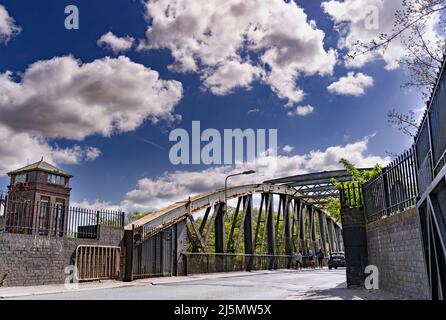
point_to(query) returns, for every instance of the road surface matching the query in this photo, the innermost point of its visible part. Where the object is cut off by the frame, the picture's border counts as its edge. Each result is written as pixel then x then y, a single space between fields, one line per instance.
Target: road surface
pixel 277 285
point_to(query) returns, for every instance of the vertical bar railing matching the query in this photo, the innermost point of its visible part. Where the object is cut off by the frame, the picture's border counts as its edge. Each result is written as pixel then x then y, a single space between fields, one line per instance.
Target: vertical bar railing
pixel 55 219
pixel 394 190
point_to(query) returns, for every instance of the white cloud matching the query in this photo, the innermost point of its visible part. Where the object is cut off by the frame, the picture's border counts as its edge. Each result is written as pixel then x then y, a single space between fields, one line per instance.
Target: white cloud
pixel 351 85
pixel 229 76
pixel 64 98
pixel 114 43
pixel 365 21
pixel 8 28
pixel 156 193
pixel 287 149
pixel 232 43
pixel 19 149
pixel 302 111
pixel 75 155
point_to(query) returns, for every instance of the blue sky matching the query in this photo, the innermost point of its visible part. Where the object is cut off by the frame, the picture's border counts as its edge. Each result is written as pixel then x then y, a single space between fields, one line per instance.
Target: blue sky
pixel 138 158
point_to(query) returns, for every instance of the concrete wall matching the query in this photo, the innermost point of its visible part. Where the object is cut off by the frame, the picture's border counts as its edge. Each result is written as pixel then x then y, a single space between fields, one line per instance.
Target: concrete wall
pixel 395 247
pixel 36 260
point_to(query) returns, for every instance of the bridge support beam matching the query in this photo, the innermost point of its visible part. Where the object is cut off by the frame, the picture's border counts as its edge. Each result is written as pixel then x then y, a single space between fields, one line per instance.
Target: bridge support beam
pixel 220 237
pixel 322 232
pixel 302 230
pixel 287 227
pixel 248 231
pixel 330 235
pixel 270 230
pixel 312 228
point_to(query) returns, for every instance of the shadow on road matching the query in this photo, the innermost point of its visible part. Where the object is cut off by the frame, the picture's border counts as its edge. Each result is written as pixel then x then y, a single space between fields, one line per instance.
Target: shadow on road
pixel 341 292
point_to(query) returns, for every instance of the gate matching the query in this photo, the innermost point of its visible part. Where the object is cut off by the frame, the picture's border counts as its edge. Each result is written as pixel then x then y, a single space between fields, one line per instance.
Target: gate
pixel 153 252
pixel 98 262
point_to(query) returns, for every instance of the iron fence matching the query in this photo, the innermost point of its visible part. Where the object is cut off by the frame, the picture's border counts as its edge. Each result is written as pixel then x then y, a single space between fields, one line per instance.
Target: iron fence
pixel 394 190
pixel 55 219
pixel 430 142
pixel 351 195
pixel 199 263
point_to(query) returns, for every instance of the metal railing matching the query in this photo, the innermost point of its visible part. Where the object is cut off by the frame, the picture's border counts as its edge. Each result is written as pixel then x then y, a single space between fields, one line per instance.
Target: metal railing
pixel 351 195
pixel 430 142
pixel 55 219
pixel 98 262
pixel 199 263
pixel 394 190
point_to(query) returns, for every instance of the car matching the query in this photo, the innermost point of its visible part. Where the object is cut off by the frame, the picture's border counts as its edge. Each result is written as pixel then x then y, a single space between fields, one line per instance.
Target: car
pixel 336 260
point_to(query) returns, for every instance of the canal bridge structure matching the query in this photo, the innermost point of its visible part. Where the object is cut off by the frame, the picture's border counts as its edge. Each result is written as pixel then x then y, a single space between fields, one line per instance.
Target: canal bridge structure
pixel 270 222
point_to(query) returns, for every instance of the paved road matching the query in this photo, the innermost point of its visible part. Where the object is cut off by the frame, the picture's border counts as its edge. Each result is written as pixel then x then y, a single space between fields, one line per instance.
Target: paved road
pixel 279 285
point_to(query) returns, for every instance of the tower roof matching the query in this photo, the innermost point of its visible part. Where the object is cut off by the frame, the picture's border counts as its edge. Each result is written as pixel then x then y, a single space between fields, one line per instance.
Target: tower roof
pixel 41 166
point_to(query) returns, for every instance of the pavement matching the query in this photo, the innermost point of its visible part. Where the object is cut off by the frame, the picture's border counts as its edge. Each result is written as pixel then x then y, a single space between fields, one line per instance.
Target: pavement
pixel 259 285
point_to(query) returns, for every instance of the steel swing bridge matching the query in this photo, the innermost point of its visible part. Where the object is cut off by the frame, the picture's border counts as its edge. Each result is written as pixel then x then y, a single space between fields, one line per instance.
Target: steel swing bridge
pixel 199 235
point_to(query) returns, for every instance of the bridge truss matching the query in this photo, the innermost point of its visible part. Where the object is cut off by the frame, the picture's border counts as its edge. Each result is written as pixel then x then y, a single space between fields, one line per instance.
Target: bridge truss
pixel 268 224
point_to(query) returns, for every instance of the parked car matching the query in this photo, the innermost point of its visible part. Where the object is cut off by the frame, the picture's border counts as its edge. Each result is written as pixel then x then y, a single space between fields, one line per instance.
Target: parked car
pixel 336 260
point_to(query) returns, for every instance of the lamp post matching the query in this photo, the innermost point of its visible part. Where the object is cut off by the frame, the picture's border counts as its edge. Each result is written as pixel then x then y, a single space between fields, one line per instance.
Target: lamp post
pixel 226 184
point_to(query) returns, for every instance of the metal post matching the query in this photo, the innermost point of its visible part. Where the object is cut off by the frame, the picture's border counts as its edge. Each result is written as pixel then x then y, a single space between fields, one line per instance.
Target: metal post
pixel 128 246
pixel 98 223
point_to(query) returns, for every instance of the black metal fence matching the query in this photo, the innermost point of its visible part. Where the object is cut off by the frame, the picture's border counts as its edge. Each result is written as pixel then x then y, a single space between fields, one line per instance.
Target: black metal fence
pixel 351 195
pixel 57 220
pixel 394 190
pixel 430 143
pixel 199 263
pixel 153 252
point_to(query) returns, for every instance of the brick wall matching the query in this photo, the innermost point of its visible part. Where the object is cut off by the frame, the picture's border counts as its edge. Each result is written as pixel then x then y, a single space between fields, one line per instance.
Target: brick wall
pixel 36 260
pixel 395 247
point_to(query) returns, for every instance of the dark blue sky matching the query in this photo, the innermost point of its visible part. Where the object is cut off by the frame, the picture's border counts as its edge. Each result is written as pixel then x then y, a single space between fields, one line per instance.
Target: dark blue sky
pixel 337 120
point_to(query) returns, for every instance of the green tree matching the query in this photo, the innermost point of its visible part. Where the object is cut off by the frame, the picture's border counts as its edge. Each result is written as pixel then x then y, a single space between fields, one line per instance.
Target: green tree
pixel 359 178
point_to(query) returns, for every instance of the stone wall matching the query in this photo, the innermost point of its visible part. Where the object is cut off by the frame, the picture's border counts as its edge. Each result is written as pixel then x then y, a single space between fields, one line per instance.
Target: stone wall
pixel 395 247
pixel 35 260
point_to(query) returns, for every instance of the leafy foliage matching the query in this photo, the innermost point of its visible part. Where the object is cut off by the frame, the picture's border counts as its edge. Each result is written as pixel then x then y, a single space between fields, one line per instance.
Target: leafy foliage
pixel 359 178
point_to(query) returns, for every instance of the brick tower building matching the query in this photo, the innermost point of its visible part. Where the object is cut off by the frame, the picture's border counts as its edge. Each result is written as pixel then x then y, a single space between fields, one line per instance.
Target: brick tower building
pixel 38 196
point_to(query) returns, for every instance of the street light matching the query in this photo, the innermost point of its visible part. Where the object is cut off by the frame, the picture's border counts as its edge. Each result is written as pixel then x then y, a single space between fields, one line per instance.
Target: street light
pixel 226 184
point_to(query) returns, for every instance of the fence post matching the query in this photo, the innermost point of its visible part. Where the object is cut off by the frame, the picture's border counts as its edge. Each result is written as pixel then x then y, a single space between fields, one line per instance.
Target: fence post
pixel 128 245
pixel 98 223
pixel 122 219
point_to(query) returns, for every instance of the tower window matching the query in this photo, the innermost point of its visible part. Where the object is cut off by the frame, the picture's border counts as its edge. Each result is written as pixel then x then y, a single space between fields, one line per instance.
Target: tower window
pixel 20 178
pixel 54 179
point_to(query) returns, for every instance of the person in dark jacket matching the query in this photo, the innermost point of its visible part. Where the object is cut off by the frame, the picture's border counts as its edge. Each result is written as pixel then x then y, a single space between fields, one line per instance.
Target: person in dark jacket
pixel 320 258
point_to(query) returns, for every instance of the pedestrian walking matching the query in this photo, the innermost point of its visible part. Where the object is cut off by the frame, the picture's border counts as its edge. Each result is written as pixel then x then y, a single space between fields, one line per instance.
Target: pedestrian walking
pixel 299 260
pixel 320 258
